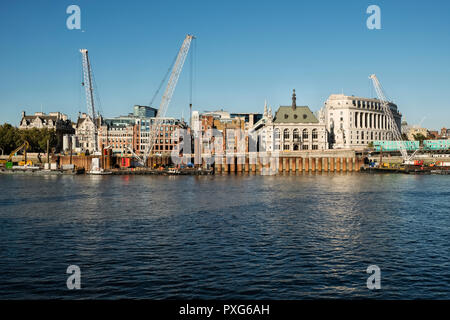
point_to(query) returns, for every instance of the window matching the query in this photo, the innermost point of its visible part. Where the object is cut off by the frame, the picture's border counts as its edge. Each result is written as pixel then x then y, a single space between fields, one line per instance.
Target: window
pixel 314 134
pixel 286 134
pixel 315 147
pixel 305 134
pixel 305 147
pixel 296 134
pixel 286 116
pixel 286 147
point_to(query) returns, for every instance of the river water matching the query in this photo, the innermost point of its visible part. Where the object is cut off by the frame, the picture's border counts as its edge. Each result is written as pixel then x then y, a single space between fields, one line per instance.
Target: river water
pixel 225 237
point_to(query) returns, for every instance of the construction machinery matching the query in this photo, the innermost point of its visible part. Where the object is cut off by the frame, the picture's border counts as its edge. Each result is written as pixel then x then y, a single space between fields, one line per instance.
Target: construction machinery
pixel 392 125
pixel 88 85
pixel 166 98
pixel 23 147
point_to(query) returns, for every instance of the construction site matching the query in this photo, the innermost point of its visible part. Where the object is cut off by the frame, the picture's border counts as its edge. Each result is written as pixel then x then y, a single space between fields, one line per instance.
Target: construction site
pixel 394 156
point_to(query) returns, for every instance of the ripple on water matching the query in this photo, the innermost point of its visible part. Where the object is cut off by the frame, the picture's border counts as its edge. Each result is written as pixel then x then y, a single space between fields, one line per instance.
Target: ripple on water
pixel 225 237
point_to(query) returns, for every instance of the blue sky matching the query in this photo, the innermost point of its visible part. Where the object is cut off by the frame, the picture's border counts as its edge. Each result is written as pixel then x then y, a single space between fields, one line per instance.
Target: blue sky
pixel 245 52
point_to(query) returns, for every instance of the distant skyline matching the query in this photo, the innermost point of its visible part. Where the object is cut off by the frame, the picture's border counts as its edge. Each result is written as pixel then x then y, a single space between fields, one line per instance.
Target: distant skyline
pixel 246 52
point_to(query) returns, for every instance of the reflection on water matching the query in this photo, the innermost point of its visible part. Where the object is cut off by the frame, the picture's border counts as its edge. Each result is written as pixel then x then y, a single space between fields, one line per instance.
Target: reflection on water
pixel 253 237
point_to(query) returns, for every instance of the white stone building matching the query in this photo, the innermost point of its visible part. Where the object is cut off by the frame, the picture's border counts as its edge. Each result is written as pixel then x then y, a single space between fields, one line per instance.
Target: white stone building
pixel 84 132
pixel 294 128
pixel 354 122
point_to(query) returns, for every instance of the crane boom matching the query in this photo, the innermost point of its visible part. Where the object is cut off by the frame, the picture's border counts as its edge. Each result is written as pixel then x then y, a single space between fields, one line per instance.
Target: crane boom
pixel 392 125
pixel 25 146
pixel 167 97
pixel 87 83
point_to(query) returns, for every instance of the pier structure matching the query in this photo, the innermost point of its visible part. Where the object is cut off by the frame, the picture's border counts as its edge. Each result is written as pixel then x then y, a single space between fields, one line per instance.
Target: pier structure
pixel 264 163
pixel 288 163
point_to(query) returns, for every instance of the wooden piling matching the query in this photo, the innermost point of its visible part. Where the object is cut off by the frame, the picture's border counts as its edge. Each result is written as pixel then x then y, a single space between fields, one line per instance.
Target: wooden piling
pixel 306 164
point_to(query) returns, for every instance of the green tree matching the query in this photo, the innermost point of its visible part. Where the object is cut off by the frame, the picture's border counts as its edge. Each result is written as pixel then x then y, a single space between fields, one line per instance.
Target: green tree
pixel 37 138
pixel 11 138
pixel 8 138
pixel 46 134
pixel 420 137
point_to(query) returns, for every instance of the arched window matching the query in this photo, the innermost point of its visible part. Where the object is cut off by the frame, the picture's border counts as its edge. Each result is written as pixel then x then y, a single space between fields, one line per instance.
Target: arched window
pixel 305 134
pixel 277 133
pixel 286 134
pixel 314 134
pixel 295 134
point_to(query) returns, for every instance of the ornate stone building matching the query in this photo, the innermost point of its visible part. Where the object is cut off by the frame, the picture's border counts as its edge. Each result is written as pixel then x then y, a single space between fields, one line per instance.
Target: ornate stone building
pixel 294 128
pixel 84 129
pixel 56 121
pixel 354 122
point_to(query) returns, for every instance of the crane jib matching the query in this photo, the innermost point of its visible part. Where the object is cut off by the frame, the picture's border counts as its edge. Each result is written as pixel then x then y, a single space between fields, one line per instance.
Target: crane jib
pixel 168 93
pixel 395 130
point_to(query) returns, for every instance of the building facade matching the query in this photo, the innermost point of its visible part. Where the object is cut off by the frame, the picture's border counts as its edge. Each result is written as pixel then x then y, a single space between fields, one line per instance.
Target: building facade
pixel 293 128
pixel 56 121
pixel 218 132
pixel 354 122
pixel 120 138
pixel 144 112
pixel 84 132
pixel 167 134
pixel 416 131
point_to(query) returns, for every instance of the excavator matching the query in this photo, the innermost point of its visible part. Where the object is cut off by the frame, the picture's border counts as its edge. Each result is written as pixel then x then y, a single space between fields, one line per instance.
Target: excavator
pixel 24 146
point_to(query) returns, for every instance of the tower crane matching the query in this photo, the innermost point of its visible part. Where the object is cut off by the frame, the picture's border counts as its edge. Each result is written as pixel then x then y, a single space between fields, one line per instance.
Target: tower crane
pixel 166 98
pixel 87 83
pixel 396 134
